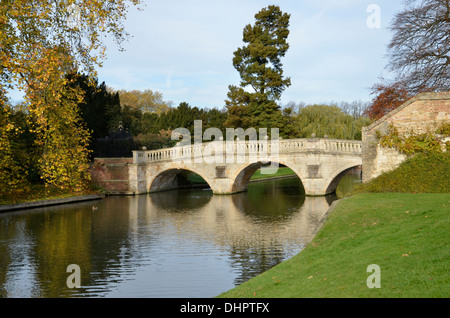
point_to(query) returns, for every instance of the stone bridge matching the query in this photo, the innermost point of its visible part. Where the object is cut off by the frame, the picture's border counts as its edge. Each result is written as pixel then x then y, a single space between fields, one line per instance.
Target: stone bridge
pixel 320 163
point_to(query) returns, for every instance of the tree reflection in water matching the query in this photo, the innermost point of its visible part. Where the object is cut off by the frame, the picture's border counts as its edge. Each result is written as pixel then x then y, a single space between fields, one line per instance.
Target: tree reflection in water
pixel 181 243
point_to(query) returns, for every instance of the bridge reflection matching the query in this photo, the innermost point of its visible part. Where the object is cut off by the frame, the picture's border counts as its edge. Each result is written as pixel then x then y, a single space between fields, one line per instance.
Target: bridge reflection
pixel 256 230
pixel 156 235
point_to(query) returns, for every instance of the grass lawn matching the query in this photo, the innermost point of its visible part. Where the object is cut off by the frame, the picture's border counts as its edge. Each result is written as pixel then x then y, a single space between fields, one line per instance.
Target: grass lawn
pixel 405 234
pixel 282 171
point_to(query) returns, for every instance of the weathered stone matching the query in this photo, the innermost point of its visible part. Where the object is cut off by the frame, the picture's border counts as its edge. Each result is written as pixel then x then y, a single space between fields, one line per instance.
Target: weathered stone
pixel 423 113
pixel 111 173
pixel 319 163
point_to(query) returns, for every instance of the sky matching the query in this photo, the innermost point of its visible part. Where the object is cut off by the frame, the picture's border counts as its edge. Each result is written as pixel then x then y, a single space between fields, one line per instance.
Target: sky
pixel 184 49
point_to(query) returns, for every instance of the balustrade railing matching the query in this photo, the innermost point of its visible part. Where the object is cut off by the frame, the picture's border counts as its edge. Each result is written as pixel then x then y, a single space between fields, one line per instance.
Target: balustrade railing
pixel 248 148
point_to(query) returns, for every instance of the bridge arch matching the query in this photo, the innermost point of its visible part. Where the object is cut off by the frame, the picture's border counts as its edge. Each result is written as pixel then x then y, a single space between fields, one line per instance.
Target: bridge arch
pixel 168 179
pixel 242 177
pixel 320 163
pixel 336 177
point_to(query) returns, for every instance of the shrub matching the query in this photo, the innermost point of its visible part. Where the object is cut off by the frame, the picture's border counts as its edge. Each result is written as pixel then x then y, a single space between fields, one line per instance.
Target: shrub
pixel 413 143
pixel 427 172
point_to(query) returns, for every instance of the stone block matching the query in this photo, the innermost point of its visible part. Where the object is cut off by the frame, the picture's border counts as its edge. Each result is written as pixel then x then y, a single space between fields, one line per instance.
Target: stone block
pixel 421 114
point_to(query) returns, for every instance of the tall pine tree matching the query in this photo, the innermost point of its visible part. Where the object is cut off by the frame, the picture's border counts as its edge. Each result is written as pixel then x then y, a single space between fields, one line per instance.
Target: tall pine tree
pixel 254 102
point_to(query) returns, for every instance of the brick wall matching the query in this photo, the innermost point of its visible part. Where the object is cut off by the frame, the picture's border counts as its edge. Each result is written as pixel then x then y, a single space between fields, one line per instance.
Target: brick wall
pixel 111 174
pixel 425 112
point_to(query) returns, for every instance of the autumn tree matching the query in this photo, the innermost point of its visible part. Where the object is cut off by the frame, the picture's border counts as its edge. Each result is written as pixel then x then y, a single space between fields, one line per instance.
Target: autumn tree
pixel 419 52
pixel 254 102
pixel 146 100
pixel 41 42
pixel 62 135
pixel 387 98
pixel 12 175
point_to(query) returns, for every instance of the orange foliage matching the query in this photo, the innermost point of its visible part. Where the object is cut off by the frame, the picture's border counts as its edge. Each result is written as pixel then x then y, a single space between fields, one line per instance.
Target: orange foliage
pixel 388 98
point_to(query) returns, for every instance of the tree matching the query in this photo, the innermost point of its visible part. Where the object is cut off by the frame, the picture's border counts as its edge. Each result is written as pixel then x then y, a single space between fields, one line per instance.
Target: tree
pixel 214 118
pixel 330 121
pixel 42 42
pixel 388 97
pixel 98 102
pixel 12 174
pixel 356 108
pixel 182 116
pixel 131 120
pixel 419 51
pixel 260 68
pixel 147 101
pixel 290 128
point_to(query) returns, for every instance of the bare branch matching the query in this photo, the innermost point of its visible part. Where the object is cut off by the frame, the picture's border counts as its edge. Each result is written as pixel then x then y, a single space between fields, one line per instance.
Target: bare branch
pixel 420 48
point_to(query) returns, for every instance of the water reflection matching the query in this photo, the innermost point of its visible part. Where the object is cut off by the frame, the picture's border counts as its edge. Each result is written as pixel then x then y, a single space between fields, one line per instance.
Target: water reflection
pixel 186 243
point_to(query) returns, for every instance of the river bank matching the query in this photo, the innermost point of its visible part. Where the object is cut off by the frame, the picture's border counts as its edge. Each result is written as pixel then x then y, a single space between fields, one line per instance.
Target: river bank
pixel 384 223
pixel 187 243
pixel 37 196
pixel 49 202
pixel 405 234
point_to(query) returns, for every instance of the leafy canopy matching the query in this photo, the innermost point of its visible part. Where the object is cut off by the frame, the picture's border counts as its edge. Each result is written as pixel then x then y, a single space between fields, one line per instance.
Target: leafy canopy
pixel 41 43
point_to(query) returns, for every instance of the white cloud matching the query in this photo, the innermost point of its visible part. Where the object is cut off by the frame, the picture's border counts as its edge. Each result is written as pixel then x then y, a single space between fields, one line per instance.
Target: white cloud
pixel 184 49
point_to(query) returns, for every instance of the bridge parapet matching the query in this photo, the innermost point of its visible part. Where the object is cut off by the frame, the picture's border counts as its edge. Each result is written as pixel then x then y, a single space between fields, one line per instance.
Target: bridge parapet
pixel 321 144
pixel 263 149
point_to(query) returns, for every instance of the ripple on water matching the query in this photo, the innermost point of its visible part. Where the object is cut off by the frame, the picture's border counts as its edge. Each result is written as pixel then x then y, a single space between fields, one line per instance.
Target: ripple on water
pixel 173 244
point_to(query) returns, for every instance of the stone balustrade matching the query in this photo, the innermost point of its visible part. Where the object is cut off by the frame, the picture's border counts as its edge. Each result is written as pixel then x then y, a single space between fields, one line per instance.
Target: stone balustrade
pixel 248 148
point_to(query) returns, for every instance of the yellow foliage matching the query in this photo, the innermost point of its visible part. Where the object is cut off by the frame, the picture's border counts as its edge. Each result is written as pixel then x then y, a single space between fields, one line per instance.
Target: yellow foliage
pixel 12 176
pixel 41 43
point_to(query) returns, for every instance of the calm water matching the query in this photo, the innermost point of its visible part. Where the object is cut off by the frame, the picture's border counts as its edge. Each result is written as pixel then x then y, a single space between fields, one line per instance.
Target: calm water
pixel 185 243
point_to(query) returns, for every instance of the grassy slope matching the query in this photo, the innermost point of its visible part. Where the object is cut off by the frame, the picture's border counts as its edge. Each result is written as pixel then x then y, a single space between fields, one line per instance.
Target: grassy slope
pixel 405 234
pixel 423 173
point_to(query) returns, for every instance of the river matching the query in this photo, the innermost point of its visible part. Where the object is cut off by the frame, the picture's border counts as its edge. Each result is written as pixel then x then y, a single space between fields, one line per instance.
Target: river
pixel 182 243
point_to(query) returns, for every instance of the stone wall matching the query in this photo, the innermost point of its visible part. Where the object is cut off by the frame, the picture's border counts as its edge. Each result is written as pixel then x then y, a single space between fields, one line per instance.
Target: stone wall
pixel 425 112
pixel 319 163
pixel 112 174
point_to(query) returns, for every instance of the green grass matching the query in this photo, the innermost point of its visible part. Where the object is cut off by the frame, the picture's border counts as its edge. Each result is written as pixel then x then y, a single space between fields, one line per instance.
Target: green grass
pixel 422 173
pixel 405 234
pixel 195 179
pixel 282 171
pixel 398 221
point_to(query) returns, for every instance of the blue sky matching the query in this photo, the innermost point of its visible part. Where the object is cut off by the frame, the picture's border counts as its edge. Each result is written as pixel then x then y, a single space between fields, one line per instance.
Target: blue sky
pixel 184 49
